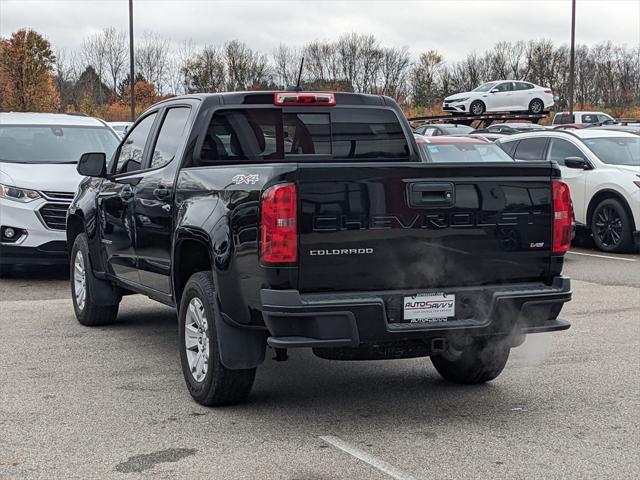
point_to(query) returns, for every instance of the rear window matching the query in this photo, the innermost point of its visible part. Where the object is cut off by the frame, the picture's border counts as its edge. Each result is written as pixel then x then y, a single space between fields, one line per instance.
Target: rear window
pixel 463 152
pixel 54 143
pixel 269 134
pixel 562 119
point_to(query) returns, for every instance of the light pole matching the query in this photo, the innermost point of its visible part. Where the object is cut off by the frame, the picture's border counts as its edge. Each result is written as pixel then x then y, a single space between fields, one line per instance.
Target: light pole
pixel 132 77
pixel 572 62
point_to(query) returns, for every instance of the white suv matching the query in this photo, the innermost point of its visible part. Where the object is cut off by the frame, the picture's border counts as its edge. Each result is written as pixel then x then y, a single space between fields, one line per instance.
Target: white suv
pixel 38 180
pixel 602 169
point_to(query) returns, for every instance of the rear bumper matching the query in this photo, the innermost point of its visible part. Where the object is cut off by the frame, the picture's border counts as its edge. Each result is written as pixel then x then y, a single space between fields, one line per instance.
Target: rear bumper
pixel 350 320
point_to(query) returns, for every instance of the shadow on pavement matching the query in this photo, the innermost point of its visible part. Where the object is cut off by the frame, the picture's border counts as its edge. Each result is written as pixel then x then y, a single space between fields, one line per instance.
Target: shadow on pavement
pixel 37 272
pixel 309 386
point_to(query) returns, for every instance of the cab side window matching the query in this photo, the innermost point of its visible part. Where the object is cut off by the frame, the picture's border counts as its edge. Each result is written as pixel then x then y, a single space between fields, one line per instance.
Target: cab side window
pixel 131 153
pixel 560 149
pixel 170 136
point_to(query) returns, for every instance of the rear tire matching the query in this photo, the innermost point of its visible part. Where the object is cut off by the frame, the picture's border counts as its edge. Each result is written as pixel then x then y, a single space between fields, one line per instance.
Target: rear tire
pixel 611 227
pixel 536 106
pixel 83 288
pixel 477 107
pixel 209 382
pixel 481 361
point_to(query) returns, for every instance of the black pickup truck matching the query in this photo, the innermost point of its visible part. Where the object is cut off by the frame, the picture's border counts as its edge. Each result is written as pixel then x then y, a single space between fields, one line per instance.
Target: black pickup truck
pixel 308 220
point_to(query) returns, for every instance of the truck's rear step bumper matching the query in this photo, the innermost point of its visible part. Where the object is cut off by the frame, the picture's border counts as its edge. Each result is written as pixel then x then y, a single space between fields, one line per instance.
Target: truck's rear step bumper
pixel 348 320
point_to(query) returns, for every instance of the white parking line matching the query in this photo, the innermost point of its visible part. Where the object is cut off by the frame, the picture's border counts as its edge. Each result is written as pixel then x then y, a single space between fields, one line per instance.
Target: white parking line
pixel 381 465
pixel 603 256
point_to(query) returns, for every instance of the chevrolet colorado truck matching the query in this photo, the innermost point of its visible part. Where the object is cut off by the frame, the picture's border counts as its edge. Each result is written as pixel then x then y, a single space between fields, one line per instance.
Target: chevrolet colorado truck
pixel 308 220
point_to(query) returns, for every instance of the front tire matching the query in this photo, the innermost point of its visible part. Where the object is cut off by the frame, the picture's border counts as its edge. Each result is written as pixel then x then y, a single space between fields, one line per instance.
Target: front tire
pixel 209 382
pixel 83 288
pixel 477 107
pixel 479 362
pixel 536 106
pixel 611 227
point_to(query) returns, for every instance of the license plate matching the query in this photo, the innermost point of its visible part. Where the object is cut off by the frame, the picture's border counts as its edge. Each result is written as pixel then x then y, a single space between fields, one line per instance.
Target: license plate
pixel 429 307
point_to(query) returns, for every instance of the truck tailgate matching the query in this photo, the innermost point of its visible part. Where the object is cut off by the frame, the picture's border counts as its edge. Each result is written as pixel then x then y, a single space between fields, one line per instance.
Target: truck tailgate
pixel 388 226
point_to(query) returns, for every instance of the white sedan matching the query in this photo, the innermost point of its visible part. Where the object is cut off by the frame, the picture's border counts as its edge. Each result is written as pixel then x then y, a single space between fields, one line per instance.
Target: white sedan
pixel 501 96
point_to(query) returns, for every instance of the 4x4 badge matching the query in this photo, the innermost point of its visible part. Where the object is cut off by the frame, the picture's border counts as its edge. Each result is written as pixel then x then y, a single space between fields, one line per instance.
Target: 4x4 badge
pixel 250 179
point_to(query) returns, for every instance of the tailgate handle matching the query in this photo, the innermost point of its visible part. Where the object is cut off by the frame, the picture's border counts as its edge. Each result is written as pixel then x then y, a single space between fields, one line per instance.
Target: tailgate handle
pixel 431 194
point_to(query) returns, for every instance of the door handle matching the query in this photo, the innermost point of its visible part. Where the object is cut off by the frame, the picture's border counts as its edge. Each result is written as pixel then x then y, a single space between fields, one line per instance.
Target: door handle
pixel 161 192
pixel 438 194
pixel 126 193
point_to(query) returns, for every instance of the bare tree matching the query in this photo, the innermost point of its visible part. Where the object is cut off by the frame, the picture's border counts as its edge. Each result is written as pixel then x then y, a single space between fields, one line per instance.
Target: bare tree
pixel 206 71
pixel 245 68
pixel 115 44
pixel 394 69
pixel 152 58
pixel 322 64
pixel 93 53
pixel 66 74
pixel 286 65
pixel 424 78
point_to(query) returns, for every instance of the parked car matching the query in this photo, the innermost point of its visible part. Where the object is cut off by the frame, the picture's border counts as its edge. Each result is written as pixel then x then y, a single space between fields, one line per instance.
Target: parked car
pixel 316 225
pixel 433 130
pixel 628 127
pixel 452 149
pixel 120 127
pixel 581 119
pixel 501 96
pixel 602 169
pixel 492 137
pixel 509 128
pixel 38 180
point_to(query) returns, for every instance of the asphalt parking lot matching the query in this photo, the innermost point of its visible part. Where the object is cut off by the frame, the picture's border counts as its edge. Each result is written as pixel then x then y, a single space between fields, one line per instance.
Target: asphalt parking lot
pixel 110 402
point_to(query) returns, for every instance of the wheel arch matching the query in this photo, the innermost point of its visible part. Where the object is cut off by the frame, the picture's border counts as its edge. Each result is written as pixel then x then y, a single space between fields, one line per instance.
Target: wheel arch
pixel 604 195
pixel 198 243
pixel 75 226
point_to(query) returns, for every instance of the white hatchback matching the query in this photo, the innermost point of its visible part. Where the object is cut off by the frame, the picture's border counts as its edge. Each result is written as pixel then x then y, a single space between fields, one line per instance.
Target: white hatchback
pixel 38 181
pixel 602 169
pixel 501 96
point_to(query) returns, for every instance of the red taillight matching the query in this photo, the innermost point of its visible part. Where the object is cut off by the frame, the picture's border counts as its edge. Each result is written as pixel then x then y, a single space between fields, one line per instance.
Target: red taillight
pixel 562 217
pixel 548 90
pixel 309 99
pixel 279 237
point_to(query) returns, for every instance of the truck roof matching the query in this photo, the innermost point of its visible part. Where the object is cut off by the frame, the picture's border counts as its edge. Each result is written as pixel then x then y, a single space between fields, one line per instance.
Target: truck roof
pixel 266 97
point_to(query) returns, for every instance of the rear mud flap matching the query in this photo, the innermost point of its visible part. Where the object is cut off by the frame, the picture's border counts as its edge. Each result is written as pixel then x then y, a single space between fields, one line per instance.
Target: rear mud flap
pixel 240 348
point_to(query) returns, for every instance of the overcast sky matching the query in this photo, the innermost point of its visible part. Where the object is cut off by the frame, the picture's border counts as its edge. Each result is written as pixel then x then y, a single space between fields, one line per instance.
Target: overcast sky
pixel 454 27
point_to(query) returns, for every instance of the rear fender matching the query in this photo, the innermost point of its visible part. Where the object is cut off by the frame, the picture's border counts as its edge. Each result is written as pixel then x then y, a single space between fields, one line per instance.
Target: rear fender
pixel 240 347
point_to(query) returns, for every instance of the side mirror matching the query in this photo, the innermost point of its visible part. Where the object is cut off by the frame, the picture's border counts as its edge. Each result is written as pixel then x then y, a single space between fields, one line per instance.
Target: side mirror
pixel 578 163
pixel 494 90
pixel 93 165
